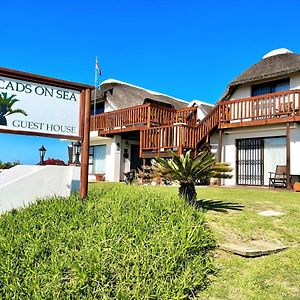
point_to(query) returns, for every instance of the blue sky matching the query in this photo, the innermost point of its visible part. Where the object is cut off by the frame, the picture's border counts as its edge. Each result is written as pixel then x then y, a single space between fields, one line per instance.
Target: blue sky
pixel 188 49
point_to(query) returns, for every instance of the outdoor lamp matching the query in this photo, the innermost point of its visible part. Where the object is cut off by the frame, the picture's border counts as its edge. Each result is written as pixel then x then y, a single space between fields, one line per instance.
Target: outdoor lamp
pixel 77 150
pixel 42 154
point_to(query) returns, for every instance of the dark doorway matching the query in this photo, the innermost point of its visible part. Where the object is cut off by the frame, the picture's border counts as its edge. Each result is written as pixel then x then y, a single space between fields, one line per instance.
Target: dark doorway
pixel 135 160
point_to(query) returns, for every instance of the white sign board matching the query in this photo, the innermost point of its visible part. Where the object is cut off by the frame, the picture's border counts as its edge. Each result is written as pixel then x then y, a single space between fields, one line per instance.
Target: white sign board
pixel 38 108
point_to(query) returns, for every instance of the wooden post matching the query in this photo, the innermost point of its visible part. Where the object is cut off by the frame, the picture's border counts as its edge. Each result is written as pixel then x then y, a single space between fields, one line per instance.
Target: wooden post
pixel 220 140
pixel 81 117
pixel 180 140
pixel 85 146
pixel 141 143
pixel 149 117
pixel 288 154
pixel 158 142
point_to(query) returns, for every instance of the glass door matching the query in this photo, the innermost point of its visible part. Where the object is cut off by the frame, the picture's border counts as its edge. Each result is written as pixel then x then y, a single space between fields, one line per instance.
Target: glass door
pixel 275 154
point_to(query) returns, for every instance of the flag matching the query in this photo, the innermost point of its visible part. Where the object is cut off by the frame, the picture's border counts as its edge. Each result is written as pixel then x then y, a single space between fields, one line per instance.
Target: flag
pixel 98 73
pixel 98 70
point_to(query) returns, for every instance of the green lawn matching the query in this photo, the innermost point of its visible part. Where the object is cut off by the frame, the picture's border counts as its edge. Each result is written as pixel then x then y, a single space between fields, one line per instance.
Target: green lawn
pixel 133 242
pixel 275 276
pixel 124 242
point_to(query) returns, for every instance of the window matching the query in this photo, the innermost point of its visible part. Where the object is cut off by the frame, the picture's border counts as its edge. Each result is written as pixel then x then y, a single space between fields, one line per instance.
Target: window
pixel 270 87
pixel 97 157
pixel 98 108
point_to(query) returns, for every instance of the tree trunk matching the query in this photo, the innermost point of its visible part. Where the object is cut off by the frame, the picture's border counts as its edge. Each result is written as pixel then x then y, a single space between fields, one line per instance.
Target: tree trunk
pixel 187 191
pixel 3 121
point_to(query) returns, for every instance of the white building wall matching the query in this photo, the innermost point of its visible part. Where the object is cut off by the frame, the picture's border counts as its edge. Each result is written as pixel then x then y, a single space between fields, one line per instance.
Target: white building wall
pixel 295 150
pixel 231 135
pixel 242 91
pixel 125 161
pixel 295 81
pixel 116 162
pixel 113 159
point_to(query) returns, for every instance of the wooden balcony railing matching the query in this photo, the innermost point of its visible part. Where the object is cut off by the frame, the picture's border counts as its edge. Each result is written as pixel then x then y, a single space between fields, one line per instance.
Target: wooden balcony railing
pixel 259 109
pixel 143 115
pixel 177 137
pixel 272 108
pixel 164 128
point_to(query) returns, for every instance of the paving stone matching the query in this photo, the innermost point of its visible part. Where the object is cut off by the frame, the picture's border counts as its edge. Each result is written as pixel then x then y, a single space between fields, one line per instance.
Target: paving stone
pixel 270 213
pixel 253 248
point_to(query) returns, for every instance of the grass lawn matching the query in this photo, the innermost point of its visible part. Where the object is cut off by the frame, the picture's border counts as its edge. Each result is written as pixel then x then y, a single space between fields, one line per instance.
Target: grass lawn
pixel 275 276
pixel 124 242
pixel 132 242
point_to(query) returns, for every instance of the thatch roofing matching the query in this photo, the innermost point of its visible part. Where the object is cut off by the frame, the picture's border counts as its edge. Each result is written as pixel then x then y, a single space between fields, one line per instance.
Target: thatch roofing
pixel 204 106
pixel 270 68
pixel 123 95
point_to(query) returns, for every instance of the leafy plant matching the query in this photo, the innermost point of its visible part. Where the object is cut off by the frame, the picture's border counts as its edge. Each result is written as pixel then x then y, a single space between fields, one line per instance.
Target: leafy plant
pixel 8 165
pixel 6 104
pixel 187 170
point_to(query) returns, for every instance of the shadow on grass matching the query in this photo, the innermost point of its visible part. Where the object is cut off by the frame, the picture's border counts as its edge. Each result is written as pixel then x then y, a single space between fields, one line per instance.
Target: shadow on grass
pixel 217 205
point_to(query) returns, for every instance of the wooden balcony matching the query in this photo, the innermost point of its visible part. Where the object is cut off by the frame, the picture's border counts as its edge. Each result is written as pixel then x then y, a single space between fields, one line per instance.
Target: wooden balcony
pixel 273 108
pixel 141 117
pixel 163 128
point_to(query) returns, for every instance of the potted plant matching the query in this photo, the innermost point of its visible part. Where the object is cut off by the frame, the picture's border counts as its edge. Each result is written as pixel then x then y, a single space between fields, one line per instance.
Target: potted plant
pixel 296 187
pixel 99 177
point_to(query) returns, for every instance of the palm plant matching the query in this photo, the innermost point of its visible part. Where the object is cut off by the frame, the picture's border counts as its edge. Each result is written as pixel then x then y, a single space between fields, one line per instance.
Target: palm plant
pixel 187 170
pixel 6 103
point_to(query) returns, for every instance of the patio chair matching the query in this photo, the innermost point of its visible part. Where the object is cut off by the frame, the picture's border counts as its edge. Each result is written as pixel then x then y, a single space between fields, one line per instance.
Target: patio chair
pixel 279 178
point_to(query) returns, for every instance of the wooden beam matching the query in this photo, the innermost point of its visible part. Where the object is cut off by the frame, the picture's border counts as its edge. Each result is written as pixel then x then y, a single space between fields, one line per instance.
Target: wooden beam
pixel 82 111
pixel 288 154
pixel 85 146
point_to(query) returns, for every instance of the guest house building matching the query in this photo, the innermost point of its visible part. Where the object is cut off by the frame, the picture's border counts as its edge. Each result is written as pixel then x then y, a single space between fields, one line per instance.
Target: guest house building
pixel 255 126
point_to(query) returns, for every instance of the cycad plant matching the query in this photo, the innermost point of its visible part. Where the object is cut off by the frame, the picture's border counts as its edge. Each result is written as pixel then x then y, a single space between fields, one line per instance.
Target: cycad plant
pixel 187 170
pixel 6 103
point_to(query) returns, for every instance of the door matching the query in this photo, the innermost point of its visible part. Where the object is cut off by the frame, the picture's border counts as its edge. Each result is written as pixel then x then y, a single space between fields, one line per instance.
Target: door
pixel 135 160
pixel 250 161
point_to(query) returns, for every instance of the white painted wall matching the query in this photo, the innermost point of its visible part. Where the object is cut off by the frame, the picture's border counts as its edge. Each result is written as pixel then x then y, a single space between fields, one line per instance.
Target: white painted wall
pixel 295 150
pixel 295 81
pixel 242 91
pixel 230 137
pixel 113 159
pixel 22 185
pixel 116 164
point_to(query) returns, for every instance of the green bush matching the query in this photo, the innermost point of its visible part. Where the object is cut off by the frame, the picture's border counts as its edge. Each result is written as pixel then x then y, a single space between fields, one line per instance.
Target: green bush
pixel 8 165
pixel 124 242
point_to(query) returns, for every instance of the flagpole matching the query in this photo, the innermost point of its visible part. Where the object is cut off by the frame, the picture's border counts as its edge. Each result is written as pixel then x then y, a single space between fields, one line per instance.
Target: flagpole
pixel 95 91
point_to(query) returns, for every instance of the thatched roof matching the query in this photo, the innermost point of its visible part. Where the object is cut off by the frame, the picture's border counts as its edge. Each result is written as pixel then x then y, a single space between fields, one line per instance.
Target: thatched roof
pixel 122 95
pixel 271 67
pixel 204 106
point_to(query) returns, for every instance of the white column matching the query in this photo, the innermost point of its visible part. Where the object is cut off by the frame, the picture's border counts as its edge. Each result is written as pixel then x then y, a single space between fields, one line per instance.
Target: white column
pixel 113 159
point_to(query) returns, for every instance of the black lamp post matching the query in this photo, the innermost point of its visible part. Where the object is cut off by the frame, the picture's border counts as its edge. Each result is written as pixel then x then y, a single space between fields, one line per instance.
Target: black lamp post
pixel 42 154
pixel 77 150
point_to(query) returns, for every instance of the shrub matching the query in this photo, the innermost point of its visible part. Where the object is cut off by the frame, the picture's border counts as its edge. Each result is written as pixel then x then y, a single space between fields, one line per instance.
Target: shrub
pixel 124 242
pixel 8 165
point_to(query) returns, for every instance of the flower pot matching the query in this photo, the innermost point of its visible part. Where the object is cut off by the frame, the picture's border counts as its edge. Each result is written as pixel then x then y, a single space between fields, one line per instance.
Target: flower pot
pixel 99 177
pixel 296 187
